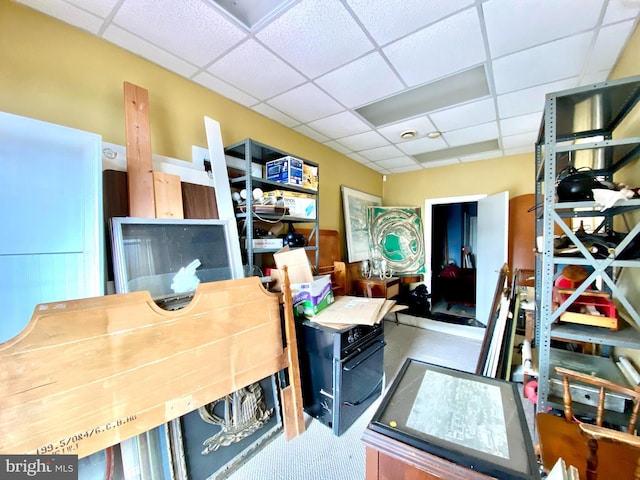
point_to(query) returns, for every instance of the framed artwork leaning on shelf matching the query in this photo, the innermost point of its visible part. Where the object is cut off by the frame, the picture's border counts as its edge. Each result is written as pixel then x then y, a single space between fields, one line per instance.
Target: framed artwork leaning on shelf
pixel 354 205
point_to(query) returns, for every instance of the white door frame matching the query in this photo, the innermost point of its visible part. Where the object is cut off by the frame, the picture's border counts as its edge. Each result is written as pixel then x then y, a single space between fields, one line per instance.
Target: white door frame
pixel 429 203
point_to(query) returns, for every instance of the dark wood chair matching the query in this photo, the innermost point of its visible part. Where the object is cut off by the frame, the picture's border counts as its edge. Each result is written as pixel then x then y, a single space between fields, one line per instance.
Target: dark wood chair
pixel 625 444
pixel 563 436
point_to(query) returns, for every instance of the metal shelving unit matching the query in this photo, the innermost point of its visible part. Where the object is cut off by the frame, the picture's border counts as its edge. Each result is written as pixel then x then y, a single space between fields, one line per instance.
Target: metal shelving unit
pixel 256 155
pixel 578 123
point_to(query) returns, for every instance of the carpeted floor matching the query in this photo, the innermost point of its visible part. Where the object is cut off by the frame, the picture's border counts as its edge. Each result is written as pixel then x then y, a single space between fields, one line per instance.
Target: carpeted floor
pixel 318 454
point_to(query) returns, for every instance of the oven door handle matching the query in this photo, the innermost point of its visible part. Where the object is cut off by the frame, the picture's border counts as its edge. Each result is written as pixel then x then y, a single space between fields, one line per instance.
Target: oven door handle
pixel 348 368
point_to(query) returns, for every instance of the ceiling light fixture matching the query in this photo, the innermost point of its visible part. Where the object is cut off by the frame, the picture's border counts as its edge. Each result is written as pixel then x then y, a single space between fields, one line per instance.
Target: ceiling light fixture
pixel 407 134
pixel 452 90
pixel 459 151
pixel 434 134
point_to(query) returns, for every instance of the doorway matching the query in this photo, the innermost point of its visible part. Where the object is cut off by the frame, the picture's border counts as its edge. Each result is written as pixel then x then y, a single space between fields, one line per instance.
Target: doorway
pixel 484 239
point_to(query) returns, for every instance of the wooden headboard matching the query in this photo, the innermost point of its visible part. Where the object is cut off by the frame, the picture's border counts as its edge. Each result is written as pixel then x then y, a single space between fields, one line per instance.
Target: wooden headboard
pixel 87 374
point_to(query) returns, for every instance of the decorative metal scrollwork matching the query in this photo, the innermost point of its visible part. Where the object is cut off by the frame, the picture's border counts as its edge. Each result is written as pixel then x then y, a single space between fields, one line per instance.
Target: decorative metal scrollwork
pixel 244 412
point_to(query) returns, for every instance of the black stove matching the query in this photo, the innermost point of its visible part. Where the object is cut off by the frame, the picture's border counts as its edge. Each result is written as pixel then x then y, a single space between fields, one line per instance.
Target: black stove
pixel 342 371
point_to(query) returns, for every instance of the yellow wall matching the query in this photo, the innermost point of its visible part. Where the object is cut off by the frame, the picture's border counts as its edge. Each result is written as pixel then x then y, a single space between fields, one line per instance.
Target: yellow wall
pixel 60 74
pixel 514 174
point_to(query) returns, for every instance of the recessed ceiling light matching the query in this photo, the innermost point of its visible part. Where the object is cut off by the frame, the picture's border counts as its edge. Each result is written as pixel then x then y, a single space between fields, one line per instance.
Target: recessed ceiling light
pixel 452 90
pixel 434 134
pixel 407 134
pixel 251 13
pixel 459 151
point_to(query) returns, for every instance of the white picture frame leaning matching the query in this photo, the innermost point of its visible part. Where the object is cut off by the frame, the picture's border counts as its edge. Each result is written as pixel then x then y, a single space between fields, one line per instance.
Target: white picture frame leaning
pixel 354 206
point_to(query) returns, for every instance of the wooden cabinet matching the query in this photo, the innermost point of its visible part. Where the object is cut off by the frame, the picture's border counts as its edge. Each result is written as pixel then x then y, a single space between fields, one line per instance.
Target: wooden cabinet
pixel 385 288
pixel 389 459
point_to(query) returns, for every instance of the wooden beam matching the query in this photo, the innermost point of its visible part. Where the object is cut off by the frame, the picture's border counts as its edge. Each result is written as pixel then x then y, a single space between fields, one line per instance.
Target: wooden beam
pixel 138 143
pixel 291 395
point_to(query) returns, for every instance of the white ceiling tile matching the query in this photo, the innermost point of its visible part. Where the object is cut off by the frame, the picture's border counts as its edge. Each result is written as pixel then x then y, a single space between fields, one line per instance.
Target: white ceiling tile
pixel 519 151
pixel 543 64
pixel 527 140
pixel 192 30
pixel 253 68
pixel 146 50
pixel 513 26
pixel 609 44
pixel 618 10
pixel 439 50
pixel 422 145
pixel 340 125
pixel 478 133
pixel 466 115
pixel 306 103
pixel 311 133
pixel 521 124
pixel 270 112
pixel 381 153
pixel 375 80
pixel 67 13
pixel 421 124
pixel 224 89
pixel 316 36
pixel 378 168
pixel 102 8
pixel 397 162
pixel 337 147
pixel 481 156
pixel 594 77
pixel 363 141
pixel 358 158
pixel 387 21
pixel 531 99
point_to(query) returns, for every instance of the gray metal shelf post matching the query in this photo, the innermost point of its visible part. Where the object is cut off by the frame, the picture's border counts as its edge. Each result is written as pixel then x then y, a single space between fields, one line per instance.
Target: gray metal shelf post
pixel 563 124
pixel 256 155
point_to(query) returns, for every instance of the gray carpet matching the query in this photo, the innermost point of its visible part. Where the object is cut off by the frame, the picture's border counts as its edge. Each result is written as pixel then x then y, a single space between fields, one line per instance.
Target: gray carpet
pixel 317 454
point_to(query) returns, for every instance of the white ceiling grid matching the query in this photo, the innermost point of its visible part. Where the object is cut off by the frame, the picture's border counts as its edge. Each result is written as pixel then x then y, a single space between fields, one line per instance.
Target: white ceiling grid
pixel 316 61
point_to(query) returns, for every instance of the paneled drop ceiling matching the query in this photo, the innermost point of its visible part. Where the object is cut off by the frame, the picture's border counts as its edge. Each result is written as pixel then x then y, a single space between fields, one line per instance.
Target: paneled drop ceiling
pixel 475 71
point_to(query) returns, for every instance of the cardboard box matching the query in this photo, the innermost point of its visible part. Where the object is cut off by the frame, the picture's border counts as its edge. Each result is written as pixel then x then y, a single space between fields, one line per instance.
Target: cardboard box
pixel 309 177
pixel 310 294
pixel 301 207
pixel 285 170
pixel 266 242
pixel 286 193
pixel 310 298
pixel 349 310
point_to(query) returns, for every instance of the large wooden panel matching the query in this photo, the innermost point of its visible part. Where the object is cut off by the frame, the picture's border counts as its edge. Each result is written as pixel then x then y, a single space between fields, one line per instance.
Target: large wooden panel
pixel 522 236
pixel 329 246
pixel 199 201
pixel 87 374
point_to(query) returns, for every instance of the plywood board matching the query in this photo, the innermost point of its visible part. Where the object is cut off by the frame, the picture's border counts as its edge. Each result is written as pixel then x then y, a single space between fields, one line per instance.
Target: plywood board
pixel 87 374
pixel 139 164
pixel 168 195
